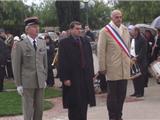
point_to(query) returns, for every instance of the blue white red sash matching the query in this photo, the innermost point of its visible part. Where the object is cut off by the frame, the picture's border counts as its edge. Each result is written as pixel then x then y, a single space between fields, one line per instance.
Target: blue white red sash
pixel 117 38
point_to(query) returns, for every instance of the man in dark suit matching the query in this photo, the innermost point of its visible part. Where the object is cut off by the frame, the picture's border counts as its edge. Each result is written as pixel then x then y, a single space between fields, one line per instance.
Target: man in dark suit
pixel 89 33
pixel 29 62
pixel 76 73
pixel 141 60
pixel 3 57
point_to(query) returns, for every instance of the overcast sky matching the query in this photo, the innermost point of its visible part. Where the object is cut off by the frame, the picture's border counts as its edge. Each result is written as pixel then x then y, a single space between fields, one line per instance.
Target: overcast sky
pixel 29 2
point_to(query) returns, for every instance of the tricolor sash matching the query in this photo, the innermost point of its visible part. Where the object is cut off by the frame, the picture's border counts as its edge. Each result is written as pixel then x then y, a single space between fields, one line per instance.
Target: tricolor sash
pixel 118 39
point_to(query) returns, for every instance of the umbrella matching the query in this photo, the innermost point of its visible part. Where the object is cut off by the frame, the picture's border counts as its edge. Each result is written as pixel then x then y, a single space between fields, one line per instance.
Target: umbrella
pixel 144 27
pixel 156 22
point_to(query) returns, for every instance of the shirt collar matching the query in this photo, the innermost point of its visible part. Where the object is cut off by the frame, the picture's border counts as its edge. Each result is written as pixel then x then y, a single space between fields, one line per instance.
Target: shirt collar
pixel 118 29
pixel 31 39
pixel 76 37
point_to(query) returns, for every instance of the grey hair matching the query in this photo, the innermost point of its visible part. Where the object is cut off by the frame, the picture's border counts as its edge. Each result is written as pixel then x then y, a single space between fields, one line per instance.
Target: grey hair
pixel 26 27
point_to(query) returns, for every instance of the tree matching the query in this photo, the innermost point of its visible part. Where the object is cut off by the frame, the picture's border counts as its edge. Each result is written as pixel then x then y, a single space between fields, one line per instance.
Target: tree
pixel 12 15
pixel 46 13
pixel 67 11
pixel 98 15
pixel 139 11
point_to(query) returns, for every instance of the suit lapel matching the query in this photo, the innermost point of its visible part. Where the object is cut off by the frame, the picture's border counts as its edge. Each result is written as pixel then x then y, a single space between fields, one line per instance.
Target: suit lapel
pixel 38 44
pixel 74 43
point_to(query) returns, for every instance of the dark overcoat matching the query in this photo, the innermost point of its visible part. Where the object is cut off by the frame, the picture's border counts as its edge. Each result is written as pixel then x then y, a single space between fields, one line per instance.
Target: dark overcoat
pixel 81 89
pixel 141 52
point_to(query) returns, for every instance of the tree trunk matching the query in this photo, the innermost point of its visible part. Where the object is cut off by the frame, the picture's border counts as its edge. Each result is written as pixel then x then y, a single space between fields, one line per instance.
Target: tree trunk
pixel 67 12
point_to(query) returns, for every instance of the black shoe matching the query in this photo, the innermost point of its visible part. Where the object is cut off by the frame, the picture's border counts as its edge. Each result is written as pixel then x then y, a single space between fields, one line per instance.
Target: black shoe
pixel 133 95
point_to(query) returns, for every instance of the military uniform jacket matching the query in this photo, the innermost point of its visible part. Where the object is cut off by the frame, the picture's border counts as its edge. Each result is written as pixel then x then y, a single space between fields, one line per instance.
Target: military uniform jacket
pixel 112 57
pixel 29 66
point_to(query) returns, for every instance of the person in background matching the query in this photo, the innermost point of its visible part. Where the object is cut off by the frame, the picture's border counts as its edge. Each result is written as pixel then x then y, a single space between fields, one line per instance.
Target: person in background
pixel 141 60
pixel 150 43
pixel 89 33
pixel 50 56
pixel 9 43
pixel 3 57
pixel 102 83
pixel 157 48
pixel 114 62
pixel 29 63
pixel 150 51
pixel 76 73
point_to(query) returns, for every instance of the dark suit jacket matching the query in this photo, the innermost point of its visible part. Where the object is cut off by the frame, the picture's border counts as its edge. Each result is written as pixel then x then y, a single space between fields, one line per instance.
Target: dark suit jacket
pixel 141 51
pixel 70 68
pixel 3 53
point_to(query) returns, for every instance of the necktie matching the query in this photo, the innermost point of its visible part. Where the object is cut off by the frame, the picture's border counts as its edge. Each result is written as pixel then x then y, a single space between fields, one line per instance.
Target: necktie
pixel 82 53
pixel 34 45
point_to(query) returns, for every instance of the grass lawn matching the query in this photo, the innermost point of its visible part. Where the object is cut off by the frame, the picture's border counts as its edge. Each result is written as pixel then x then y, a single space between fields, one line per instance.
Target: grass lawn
pixel 10 102
pixel 9 84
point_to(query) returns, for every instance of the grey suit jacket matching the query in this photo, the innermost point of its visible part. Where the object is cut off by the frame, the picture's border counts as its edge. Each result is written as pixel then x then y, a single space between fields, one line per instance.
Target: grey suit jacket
pixel 29 66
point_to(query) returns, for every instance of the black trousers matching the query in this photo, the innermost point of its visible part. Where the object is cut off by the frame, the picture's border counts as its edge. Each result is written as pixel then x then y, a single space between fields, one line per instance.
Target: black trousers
pixel 9 69
pixel 78 113
pixel 2 74
pixel 139 84
pixel 115 98
pixel 50 78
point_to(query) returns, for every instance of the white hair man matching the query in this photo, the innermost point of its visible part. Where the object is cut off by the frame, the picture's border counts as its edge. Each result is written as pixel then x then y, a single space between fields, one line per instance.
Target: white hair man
pixel 115 63
pixel 29 62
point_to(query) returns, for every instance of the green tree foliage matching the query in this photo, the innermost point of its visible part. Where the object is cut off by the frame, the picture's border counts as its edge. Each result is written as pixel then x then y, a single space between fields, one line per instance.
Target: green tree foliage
pixel 98 15
pixel 139 11
pixel 47 13
pixel 12 15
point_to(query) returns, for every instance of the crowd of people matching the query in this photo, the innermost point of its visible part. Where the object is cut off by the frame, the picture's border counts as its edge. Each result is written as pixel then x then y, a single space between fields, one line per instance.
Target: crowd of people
pixel 30 60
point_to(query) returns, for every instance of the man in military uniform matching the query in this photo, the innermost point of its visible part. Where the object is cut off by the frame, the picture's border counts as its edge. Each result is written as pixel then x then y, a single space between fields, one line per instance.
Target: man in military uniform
pixel 3 57
pixel 29 61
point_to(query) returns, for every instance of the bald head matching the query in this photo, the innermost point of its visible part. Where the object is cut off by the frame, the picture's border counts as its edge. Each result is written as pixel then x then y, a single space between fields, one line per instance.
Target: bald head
pixel 116 17
pixel 115 12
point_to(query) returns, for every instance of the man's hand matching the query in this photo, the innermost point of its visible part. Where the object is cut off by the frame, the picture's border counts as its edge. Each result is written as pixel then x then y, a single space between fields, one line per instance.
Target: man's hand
pixel 134 59
pixel 67 83
pixel 20 90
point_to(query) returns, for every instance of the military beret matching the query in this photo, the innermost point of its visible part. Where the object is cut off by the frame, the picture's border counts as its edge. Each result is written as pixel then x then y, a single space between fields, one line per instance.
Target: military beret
pixel 31 21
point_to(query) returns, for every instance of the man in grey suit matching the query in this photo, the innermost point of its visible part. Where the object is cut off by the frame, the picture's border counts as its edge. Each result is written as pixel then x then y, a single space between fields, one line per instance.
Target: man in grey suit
pixel 29 61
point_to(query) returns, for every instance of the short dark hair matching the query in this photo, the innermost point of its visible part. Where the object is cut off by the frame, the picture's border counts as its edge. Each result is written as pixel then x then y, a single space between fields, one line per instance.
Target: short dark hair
pixel 72 24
